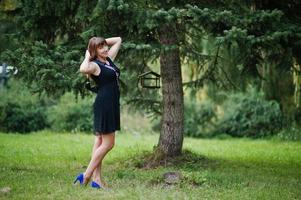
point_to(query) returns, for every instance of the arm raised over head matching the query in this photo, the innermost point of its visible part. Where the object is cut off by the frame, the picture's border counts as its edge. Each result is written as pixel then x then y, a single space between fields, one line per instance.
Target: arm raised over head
pixel 115 43
pixel 87 67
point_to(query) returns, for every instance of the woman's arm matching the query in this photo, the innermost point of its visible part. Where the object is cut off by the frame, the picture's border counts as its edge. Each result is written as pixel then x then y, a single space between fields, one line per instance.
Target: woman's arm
pixel 115 43
pixel 87 67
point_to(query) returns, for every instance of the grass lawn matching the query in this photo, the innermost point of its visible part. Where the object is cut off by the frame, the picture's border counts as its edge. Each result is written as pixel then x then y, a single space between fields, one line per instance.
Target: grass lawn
pixel 43 165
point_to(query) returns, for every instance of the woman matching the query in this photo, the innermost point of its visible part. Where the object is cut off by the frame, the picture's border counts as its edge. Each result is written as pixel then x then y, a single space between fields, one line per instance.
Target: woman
pixel 98 64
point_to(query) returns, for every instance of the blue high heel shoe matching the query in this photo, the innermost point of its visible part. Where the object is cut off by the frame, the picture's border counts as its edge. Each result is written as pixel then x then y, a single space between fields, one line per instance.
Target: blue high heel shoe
pixel 80 178
pixel 95 185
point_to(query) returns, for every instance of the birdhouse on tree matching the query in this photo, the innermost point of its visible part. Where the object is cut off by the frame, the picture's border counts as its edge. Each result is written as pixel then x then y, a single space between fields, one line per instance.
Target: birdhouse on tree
pixel 149 79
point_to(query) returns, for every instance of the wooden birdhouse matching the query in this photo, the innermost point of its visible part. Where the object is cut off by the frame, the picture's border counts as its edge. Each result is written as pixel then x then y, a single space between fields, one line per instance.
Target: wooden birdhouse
pixel 149 79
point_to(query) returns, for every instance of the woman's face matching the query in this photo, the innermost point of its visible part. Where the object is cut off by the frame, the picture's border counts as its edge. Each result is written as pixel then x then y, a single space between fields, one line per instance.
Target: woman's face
pixel 103 51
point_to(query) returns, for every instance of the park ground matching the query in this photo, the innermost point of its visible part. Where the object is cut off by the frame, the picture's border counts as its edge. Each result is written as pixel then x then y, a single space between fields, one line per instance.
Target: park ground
pixel 43 165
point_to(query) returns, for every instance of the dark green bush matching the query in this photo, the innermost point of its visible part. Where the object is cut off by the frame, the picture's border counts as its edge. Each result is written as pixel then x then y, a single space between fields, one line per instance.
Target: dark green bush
pixel 199 118
pixel 290 134
pixel 240 114
pixel 22 119
pixel 70 114
pixel 248 114
pixel 20 111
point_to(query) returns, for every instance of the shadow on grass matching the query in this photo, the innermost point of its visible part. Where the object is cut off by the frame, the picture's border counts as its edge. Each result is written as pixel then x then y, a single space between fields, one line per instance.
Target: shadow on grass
pixel 148 160
pixel 187 160
pixel 197 170
pixel 150 167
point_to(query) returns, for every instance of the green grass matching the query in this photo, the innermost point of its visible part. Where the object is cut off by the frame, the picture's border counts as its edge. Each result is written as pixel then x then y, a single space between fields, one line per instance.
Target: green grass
pixel 43 165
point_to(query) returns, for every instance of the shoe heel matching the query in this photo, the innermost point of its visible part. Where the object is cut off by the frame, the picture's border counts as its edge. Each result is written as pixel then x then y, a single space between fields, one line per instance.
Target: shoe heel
pixel 79 178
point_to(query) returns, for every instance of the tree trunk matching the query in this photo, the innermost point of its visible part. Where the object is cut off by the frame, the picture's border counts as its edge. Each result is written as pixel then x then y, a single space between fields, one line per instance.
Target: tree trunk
pixel 269 84
pixel 171 135
pixel 297 82
pixel 278 85
pixel 297 93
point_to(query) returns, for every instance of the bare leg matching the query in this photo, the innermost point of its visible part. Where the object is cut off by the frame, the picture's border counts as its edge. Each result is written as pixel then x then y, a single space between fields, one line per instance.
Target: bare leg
pixel 107 144
pixel 96 173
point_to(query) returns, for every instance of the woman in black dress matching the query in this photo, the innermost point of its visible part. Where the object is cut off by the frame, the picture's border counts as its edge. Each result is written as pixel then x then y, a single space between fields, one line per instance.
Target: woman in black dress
pixel 98 64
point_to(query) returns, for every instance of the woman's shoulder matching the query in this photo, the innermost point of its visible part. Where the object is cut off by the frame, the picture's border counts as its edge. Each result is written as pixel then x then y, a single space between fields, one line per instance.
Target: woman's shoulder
pixel 97 63
pixel 94 61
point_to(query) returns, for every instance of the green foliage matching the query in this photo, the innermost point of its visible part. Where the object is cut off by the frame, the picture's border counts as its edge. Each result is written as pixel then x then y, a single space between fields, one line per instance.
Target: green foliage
pixel 71 115
pixel 239 115
pixel 9 5
pixel 254 35
pixel 23 112
pixel 22 119
pixel 49 21
pixel 50 44
pixel 289 134
pixel 20 111
pixel 53 69
pixel 199 118
pixel 249 115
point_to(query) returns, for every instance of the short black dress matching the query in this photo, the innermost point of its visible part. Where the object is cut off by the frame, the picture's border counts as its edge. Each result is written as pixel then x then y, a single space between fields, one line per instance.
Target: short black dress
pixel 106 107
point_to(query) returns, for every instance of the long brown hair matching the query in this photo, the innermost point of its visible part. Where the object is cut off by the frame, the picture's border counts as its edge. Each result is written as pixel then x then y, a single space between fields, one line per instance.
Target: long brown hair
pixel 94 43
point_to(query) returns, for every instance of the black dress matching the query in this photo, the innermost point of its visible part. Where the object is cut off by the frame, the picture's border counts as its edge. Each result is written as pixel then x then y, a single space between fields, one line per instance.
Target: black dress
pixel 106 107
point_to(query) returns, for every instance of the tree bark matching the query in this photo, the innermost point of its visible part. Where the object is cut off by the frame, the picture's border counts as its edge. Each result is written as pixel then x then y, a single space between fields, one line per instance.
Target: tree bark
pixel 297 82
pixel 297 93
pixel 171 135
pixel 269 84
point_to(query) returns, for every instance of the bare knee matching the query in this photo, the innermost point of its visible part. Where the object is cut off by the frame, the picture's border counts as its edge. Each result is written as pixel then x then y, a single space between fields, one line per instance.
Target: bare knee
pixel 109 141
pixel 109 146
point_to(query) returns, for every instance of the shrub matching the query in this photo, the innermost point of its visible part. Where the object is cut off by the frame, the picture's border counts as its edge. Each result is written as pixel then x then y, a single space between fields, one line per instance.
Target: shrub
pixel 70 114
pixel 248 114
pixel 240 114
pixel 289 134
pixel 199 118
pixel 21 111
